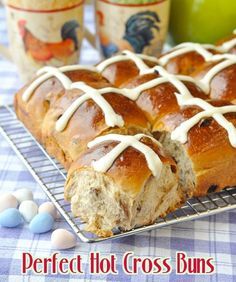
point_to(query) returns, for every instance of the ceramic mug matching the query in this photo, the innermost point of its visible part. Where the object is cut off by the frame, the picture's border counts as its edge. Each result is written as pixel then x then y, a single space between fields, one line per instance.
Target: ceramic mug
pixel 140 26
pixel 43 33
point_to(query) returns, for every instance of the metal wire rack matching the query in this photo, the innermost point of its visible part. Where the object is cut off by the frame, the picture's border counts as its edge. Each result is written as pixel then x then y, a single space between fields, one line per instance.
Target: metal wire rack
pixel 51 176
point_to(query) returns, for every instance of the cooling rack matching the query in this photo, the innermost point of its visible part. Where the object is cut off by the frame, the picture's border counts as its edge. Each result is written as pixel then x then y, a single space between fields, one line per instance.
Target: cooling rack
pixel 51 176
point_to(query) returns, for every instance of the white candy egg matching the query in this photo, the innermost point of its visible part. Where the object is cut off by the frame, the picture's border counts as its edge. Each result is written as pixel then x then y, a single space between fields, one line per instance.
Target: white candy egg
pixel 62 239
pixel 49 208
pixel 28 209
pixel 8 201
pixel 23 195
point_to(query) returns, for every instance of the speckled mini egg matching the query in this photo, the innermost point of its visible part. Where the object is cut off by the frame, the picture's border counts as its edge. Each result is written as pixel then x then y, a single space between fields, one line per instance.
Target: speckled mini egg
pixel 41 223
pixel 62 239
pixel 10 218
pixel 28 209
pixel 23 195
pixel 8 201
pixel 49 208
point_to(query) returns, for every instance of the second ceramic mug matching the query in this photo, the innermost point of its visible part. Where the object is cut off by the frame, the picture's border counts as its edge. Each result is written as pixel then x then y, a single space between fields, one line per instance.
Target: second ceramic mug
pixel 140 26
pixel 43 33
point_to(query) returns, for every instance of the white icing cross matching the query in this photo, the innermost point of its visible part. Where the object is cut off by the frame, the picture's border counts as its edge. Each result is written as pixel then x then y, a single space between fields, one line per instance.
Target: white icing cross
pixel 185 98
pixel 175 80
pixel 138 59
pixel 180 133
pixel 153 161
pixel 228 60
pixel 111 118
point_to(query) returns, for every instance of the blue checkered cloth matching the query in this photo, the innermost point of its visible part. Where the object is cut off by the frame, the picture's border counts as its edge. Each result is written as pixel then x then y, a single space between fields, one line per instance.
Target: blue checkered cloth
pixel 214 236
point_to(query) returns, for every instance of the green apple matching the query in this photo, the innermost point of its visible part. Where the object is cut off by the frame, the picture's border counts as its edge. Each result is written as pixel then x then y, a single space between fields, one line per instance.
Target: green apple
pixel 203 21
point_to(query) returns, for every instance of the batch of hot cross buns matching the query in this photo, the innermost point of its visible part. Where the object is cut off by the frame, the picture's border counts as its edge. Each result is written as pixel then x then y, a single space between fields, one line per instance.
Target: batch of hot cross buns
pixel 138 135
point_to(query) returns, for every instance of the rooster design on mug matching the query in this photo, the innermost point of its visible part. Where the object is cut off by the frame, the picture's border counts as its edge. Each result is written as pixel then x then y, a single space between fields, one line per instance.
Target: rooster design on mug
pixel 140 28
pixel 139 31
pixel 42 51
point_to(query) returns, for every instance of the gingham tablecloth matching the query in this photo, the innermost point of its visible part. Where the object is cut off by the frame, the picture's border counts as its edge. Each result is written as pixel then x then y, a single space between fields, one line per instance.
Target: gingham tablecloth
pixel 214 236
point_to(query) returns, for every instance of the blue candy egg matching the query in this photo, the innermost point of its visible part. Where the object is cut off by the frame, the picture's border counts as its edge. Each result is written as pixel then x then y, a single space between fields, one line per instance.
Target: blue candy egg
pixel 41 223
pixel 10 218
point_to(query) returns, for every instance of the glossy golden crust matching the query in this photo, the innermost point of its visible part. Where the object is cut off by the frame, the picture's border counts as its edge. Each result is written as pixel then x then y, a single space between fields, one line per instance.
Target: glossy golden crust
pixel 208 147
pixel 50 100
pixel 86 123
pixel 156 110
pixel 130 175
pixel 223 84
pixel 32 113
pixel 160 100
pixel 186 63
pixel 120 72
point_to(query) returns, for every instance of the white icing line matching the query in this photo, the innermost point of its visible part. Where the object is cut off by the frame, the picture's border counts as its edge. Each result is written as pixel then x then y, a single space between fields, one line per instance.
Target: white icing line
pixel 153 161
pixel 185 48
pixel 127 55
pixel 205 81
pixel 138 61
pixel 226 46
pixel 48 72
pixel 111 118
pixel 174 80
pixel 51 71
pixel 68 68
pixel 134 93
pixel 145 57
pixel 189 44
pixel 220 57
pixel 65 81
pixel 180 133
pixel 101 67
